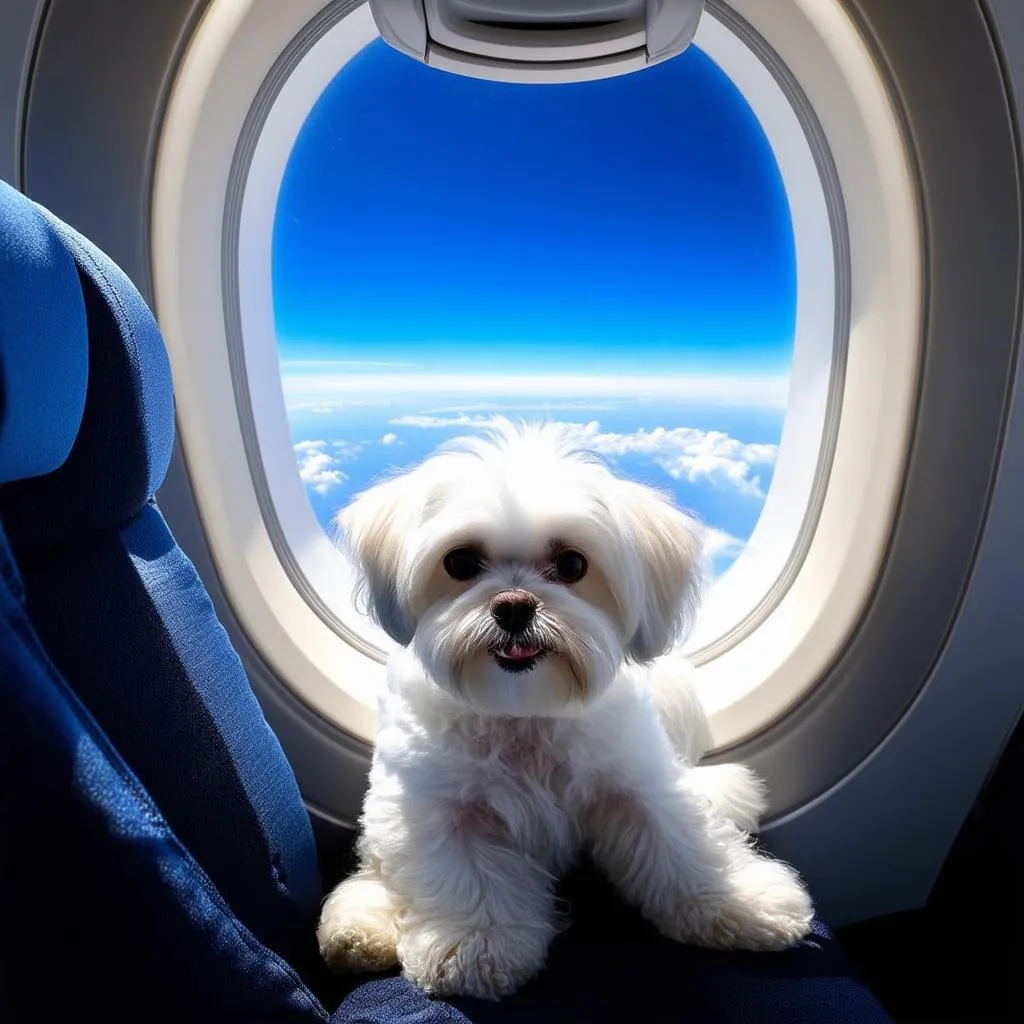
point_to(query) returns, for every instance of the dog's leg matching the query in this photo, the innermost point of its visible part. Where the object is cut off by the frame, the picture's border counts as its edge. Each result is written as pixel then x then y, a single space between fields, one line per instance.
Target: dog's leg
pixel 692 872
pixel 733 792
pixel 442 890
pixel 357 930
pixel 670 680
pixel 478 914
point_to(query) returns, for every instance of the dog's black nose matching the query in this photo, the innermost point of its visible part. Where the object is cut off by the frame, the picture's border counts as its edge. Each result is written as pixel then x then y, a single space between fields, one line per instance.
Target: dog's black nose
pixel 513 610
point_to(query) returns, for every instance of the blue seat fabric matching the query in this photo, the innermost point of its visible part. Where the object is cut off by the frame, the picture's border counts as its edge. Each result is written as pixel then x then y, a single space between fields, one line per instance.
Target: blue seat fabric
pixel 127 621
pixel 43 381
pixel 103 907
pixel 156 860
pixel 172 695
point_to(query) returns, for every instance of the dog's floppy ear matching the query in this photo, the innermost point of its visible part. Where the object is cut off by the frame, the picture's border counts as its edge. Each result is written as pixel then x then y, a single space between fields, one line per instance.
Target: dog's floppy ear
pixel 371 528
pixel 667 545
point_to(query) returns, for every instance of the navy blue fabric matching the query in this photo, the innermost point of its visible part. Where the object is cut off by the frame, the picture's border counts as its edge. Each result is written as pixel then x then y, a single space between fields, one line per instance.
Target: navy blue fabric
pixel 106 915
pixel 611 966
pixel 127 621
pixel 393 1000
pixel 104 911
pixel 43 342
pixel 123 448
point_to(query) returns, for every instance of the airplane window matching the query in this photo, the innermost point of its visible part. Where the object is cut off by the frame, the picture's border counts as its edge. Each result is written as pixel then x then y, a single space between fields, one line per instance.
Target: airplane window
pixel 709 266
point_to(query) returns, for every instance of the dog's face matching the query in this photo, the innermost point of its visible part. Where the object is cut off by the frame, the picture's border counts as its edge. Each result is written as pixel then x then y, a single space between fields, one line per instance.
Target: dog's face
pixel 522 571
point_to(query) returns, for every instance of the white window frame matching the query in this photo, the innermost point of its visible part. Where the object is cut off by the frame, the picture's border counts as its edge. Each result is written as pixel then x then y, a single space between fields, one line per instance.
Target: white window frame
pixel 209 258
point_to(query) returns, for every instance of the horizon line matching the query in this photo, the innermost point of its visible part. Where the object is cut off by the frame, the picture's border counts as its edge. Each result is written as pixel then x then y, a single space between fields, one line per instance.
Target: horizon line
pixel 757 389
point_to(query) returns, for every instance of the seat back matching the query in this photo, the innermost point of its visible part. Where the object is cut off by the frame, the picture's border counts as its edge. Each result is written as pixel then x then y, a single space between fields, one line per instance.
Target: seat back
pixel 86 428
pixel 104 910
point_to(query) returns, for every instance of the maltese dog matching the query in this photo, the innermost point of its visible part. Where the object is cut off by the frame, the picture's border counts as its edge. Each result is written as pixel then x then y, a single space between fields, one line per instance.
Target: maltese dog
pixel 534 711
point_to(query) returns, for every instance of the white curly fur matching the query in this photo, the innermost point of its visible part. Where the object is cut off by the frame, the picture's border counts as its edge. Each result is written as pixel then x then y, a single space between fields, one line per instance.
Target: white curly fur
pixel 491 774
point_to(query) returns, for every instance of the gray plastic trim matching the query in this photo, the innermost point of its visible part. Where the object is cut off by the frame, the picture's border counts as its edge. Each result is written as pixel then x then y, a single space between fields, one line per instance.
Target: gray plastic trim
pixel 20 25
pixel 832 188
pixel 522 42
pixel 279 73
pixel 964 147
pixel 95 103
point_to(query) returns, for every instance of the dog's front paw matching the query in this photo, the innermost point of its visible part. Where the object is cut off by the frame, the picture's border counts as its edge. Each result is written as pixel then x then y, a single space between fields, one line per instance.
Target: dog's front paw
pixel 766 908
pixel 357 930
pixel 488 963
pixel 763 906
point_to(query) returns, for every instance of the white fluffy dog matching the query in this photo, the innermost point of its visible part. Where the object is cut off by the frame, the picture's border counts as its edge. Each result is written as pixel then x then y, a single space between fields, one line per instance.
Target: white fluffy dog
pixel 534 712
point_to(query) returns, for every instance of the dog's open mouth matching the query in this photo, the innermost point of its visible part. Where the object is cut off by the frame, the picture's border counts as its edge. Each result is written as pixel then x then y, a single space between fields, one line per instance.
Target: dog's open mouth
pixel 518 657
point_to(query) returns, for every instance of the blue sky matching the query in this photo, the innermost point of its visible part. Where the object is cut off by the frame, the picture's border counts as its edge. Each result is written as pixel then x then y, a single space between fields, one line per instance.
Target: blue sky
pixel 618 254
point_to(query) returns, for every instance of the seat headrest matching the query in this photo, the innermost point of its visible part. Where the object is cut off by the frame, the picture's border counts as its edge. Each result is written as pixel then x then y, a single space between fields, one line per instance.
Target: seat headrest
pixel 123 447
pixel 43 342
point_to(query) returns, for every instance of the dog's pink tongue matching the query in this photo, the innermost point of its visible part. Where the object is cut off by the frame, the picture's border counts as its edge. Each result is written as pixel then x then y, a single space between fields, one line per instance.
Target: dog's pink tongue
pixel 517 652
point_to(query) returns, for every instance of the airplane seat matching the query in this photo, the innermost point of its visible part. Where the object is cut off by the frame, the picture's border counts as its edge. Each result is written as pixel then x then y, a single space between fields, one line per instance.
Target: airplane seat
pixel 87 431
pixel 156 860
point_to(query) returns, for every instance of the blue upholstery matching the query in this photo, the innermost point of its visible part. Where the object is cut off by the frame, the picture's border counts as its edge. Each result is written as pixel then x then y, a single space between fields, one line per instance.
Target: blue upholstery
pixel 170 692
pixel 125 618
pixel 106 915
pixel 101 901
pixel 124 446
pixel 393 1000
pixel 156 862
pixel 43 344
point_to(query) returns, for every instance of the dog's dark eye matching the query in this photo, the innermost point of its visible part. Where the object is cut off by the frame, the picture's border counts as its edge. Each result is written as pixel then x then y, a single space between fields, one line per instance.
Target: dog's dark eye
pixel 570 566
pixel 463 563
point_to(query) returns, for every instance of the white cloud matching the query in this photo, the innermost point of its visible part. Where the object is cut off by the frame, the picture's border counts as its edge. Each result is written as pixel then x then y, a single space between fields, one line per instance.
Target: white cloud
pixel 685 453
pixel 345 451
pixel 517 408
pixel 389 439
pixel 312 403
pixel 318 466
pixel 426 421
pixel 718 544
